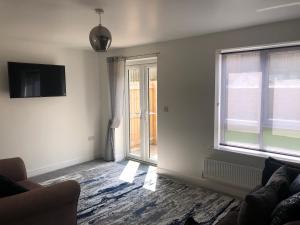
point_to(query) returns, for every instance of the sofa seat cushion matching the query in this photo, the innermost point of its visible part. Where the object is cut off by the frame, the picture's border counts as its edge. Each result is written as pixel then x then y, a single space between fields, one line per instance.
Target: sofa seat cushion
pixel 29 185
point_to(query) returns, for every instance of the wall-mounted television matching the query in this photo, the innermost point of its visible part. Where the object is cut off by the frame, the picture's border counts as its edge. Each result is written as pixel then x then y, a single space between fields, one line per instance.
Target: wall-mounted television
pixel 28 80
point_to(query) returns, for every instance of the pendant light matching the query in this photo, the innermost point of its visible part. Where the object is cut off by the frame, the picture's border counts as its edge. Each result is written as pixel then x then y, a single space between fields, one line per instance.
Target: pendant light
pixel 100 36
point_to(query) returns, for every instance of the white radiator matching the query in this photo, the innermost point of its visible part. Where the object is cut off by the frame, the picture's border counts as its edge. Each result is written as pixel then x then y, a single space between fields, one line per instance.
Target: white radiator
pixel 234 174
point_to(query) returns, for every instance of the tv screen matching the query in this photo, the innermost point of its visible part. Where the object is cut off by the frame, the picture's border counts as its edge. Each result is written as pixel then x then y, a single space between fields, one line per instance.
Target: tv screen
pixel 36 80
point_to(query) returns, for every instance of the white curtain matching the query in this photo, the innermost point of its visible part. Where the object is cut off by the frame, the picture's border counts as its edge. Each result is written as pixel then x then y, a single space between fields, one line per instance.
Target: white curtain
pixel 116 73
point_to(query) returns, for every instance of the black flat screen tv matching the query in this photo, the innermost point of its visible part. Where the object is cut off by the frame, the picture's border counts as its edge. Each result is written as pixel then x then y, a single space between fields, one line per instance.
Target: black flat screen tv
pixel 28 80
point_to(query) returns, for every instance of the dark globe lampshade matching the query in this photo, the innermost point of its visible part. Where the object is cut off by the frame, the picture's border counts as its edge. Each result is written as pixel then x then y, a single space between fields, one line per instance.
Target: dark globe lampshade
pixel 100 38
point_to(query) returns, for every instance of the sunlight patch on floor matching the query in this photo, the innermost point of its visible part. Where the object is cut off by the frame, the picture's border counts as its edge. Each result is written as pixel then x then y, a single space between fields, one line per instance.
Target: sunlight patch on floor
pixel 151 178
pixel 129 171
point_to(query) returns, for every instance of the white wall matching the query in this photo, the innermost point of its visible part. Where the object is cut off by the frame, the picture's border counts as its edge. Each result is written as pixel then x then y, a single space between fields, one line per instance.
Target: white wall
pixel 186 73
pixel 49 133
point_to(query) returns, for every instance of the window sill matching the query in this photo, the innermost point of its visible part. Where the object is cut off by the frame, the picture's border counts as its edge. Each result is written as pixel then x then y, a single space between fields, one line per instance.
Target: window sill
pixel 260 154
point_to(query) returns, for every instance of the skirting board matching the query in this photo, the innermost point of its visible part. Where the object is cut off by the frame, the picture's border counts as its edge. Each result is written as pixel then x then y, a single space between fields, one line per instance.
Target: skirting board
pixel 206 183
pixel 60 165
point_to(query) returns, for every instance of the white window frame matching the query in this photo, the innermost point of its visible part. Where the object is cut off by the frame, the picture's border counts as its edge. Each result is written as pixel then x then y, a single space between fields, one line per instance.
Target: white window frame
pixel 217 107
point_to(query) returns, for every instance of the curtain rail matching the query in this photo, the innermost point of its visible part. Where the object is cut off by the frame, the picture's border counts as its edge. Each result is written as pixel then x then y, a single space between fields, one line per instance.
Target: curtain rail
pixel 142 56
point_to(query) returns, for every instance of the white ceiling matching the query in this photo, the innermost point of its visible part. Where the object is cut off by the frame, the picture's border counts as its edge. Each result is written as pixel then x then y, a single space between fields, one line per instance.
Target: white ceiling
pixel 135 22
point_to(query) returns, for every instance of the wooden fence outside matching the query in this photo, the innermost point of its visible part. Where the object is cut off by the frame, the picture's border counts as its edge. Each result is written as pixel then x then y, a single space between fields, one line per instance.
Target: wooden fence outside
pixel 135 123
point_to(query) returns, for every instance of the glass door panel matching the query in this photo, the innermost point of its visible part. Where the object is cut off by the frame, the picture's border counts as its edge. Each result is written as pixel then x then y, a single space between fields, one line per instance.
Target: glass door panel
pixel 134 87
pixel 152 95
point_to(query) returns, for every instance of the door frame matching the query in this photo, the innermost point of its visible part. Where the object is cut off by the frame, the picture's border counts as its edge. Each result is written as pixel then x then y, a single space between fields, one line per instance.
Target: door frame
pixel 143 65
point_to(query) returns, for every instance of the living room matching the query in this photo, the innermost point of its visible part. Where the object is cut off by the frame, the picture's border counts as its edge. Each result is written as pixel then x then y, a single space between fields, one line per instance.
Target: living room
pixel 197 144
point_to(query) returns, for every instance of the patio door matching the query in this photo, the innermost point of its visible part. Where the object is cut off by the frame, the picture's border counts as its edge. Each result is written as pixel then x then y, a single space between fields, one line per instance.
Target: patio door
pixel 141 79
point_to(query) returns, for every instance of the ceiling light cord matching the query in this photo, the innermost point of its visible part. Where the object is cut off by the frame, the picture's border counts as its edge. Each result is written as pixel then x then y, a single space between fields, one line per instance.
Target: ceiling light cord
pixel 99 12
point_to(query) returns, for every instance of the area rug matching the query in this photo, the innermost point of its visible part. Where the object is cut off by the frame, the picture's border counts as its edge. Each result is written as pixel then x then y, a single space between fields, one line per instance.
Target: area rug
pixel 123 194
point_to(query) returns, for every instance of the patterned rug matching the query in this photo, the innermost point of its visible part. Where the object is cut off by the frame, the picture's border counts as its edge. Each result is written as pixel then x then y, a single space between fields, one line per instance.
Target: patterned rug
pixel 125 194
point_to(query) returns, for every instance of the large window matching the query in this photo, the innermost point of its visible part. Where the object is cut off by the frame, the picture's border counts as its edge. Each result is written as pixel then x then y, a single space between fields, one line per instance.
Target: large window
pixel 259 100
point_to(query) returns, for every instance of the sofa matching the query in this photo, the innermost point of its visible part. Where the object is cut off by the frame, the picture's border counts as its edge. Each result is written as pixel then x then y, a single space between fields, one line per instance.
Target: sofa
pixel 37 205
pixel 271 166
pixel 276 201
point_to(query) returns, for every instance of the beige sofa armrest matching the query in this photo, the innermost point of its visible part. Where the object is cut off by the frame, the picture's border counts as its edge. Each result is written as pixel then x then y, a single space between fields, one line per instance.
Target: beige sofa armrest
pixel 14 168
pixel 38 201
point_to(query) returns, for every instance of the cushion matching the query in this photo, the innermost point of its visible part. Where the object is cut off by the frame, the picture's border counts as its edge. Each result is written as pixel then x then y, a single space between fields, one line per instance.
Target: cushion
pixel 259 204
pixel 295 185
pixel 9 187
pixel 287 210
pixel 280 179
pixel 271 165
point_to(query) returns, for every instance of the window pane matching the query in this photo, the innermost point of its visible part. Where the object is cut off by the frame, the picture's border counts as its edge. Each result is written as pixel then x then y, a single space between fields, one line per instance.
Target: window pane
pixel 241 101
pixel 282 120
